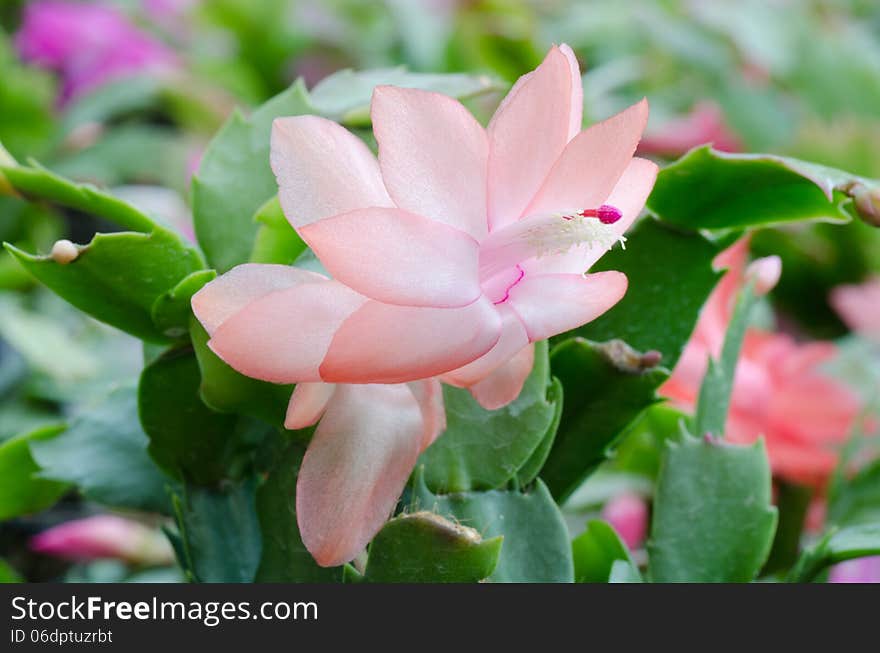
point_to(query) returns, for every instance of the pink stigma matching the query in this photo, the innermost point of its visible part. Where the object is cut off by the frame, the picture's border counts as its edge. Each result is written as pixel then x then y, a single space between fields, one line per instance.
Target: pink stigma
pixel 606 213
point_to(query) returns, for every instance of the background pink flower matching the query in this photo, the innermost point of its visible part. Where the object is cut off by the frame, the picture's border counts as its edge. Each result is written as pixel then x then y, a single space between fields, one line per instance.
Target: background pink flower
pixel 779 391
pixel 860 570
pixel 859 307
pixel 628 514
pixel 704 124
pixel 88 44
pixel 105 536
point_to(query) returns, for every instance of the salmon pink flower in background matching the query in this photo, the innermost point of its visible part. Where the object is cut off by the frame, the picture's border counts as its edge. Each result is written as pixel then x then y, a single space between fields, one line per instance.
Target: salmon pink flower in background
pixel 779 389
pixel 704 124
pixel 449 255
pixel 88 44
pixel 859 307
pixel 105 536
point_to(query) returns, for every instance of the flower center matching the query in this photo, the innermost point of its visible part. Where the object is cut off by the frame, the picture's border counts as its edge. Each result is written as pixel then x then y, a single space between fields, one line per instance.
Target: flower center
pixel 548 235
pixel 497 288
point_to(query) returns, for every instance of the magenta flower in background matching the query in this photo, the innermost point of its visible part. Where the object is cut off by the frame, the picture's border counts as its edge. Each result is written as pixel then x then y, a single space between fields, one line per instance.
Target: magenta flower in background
pixel 104 537
pixel 860 570
pixel 88 44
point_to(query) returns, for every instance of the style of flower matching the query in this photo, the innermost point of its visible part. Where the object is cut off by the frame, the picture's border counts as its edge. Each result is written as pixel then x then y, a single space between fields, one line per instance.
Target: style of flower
pixel 779 389
pixel 88 44
pixel 102 537
pixel 449 256
pixel 859 306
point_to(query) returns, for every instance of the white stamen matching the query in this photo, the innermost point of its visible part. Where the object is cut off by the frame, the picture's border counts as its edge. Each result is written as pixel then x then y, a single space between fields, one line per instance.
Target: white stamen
pixel 571 231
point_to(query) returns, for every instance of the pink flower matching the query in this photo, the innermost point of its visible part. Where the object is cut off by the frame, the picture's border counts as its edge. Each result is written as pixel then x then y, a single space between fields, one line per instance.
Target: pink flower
pixel 779 390
pixel 88 44
pixel 704 124
pixel 104 536
pixel 628 514
pixel 454 251
pixel 860 570
pixel 859 306
pixel 450 256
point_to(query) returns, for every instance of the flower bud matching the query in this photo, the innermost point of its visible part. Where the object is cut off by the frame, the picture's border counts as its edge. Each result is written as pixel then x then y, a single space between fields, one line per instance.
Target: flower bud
pixel 628 514
pixel 104 536
pixel 64 252
pixel 764 273
pixel 867 201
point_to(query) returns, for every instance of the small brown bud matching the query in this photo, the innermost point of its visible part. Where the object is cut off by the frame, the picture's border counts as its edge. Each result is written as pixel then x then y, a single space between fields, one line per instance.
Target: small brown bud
pixel 867 202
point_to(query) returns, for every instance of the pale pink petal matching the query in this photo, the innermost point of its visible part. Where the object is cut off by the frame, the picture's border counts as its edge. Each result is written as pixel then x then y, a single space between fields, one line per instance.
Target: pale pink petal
pixel 284 336
pixel 433 156
pixel 307 404
pixel 592 163
pixel 226 295
pixel 859 306
pixel 429 394
pixel 512 93
pixel 629 196
pixel 505 383
pixel 577 92
pixel 382 343
pixel 526 135
pixel 764 273
pixel 322 170
pixel 398 257
pixel 513 339
pixel 355 468
pixel 554 303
